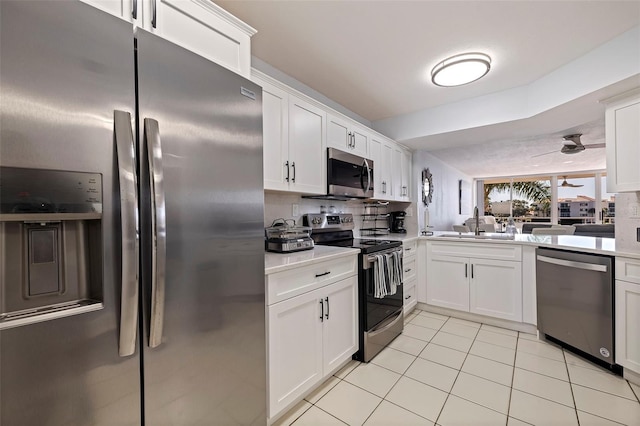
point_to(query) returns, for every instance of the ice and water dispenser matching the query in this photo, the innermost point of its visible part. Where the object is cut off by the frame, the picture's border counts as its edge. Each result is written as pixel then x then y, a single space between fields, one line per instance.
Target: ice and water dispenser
pixel 50 244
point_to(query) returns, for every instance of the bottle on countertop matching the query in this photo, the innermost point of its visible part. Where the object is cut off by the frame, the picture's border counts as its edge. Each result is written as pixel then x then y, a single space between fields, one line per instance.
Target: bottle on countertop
pixel 511 227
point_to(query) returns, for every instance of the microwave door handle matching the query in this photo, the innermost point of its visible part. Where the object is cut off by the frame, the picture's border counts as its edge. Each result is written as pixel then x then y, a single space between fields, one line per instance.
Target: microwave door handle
pixel 125 154
pixel 366 165
pixel 158 231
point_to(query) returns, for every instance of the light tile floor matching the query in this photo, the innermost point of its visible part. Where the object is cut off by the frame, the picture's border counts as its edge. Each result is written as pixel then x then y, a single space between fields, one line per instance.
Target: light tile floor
pixel 447 371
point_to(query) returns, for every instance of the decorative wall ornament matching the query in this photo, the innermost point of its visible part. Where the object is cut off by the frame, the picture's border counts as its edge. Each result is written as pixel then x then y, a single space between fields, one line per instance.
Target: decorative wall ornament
pixel 427 187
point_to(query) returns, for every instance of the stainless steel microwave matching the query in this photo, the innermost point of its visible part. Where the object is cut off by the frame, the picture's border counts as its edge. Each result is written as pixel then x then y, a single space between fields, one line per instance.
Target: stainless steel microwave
pixel 348 175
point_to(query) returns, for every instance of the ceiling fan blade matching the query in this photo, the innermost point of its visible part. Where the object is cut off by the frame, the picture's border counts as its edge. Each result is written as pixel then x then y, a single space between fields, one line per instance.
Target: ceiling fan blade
pixel 546 153
pixel 595 145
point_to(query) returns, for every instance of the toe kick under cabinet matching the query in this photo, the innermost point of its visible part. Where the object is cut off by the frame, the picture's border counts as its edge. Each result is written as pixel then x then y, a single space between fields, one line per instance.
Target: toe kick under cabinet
pixel 483 279
pixel 312 322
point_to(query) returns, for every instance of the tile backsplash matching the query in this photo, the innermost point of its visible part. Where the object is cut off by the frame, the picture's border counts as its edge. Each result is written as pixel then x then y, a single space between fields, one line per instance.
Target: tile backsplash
pixel 280 205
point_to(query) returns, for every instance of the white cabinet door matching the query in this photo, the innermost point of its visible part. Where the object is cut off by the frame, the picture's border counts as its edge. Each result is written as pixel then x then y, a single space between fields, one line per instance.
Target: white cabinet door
pixel 375 154
pixel 627 320
pixel 338 133
pixel 340 338
pixel 396 173
pixel 387 174
pixel 294 348
pixel 496 289
pixel 448 282
pixel 275 124
pixel 120 8
pixel 405 194
pixel 346 136
pixel 622 129
pixel 410 300
pixel 204 28
pixel 307 142
pixel 360 144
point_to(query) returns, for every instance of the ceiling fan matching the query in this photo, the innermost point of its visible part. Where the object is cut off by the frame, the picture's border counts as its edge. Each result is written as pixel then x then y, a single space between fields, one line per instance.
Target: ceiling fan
pixel 573 145
pixel 566 184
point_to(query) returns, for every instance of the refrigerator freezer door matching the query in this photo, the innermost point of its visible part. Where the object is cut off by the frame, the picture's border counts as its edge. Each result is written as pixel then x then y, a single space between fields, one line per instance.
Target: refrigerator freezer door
pixel 65 67
pixel 210 366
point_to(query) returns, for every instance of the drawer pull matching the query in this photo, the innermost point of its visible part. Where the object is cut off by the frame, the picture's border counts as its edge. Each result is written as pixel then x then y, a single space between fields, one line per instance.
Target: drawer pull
pixel 407 298
pixel 323 274
pixel 408 270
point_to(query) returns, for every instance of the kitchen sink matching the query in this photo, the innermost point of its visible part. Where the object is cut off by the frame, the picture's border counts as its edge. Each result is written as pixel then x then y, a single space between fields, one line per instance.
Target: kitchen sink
pixel 482 236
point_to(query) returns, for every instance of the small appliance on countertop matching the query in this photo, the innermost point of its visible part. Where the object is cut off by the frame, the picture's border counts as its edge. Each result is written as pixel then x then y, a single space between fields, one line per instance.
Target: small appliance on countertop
pixel 283 237
pixel 396 222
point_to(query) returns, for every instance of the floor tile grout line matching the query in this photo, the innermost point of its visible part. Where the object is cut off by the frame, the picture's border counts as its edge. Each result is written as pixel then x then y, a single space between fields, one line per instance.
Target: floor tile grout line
pixel 600 417
pixel 513 374
pixel 455 380
pixel 571 387
pixel 601 391
pixel 637 394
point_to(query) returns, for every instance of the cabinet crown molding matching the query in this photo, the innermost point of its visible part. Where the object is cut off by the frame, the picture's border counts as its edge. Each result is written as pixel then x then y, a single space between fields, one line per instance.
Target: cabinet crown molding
pixel 228 17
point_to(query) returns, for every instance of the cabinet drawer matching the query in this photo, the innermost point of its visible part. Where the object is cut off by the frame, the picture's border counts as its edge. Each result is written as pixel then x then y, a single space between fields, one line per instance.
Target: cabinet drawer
pixel 628 269
pixel 485 251
pixel 286 284
pixel 410 248
pixel 409 292
pixel 409 269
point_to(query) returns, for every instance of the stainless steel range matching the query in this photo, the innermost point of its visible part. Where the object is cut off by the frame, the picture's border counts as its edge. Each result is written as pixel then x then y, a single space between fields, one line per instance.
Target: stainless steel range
pixel 380 299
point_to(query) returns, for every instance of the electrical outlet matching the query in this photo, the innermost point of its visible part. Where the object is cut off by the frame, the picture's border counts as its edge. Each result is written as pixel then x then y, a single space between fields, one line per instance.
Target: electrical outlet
pixel 409 212
pixel 295 210
pixel 634 210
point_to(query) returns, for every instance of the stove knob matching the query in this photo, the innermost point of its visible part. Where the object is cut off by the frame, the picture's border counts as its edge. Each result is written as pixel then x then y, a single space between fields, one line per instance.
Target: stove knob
pixel 316 221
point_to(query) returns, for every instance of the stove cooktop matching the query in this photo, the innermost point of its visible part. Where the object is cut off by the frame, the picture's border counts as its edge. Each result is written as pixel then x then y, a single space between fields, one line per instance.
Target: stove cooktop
pixel 365 245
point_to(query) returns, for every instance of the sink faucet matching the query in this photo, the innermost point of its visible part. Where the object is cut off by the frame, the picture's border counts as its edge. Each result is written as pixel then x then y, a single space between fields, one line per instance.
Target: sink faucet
pixel 476 217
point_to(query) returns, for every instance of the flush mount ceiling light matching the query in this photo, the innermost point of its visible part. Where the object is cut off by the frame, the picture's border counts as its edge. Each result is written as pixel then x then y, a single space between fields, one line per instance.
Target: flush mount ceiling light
pixel 460 69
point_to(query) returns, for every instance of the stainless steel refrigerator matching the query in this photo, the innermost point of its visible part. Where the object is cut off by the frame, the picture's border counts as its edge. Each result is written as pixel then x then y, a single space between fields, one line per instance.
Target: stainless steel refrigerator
pixel 131 227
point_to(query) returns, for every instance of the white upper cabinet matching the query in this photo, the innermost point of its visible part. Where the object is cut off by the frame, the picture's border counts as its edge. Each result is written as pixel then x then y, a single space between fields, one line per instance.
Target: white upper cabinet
pixel 622 127
pixel 128 10
pixel 307 145
pixel 405 187
pixel 275 134
pixel 202 27
pixel 346 136
pixel 293 141
pixel 381 152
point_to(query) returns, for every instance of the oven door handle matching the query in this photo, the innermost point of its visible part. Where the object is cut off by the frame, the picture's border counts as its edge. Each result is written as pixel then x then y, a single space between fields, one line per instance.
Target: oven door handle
pixel 386 324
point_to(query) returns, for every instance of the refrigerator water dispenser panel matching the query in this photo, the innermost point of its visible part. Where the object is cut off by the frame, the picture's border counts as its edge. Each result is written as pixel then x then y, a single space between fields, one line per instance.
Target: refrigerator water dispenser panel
pixel 50 245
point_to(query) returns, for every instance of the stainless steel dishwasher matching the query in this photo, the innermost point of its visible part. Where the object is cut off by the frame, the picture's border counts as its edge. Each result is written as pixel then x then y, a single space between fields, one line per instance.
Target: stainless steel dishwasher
pixel 575 302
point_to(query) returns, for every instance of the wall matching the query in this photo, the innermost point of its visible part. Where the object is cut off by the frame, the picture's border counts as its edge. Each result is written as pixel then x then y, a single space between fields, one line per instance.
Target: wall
pixel 627 221
pixel 443 210
pixel 279 205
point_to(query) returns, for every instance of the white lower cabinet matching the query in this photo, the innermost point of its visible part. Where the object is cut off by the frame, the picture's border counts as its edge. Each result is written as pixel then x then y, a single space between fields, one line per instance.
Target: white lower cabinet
pixel 495 289
pixel 309 336
pixel 409 274
pixel 627 306
pixel 491 287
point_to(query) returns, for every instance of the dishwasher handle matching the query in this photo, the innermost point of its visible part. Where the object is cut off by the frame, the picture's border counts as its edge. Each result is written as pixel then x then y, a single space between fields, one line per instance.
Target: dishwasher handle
pixel 573 264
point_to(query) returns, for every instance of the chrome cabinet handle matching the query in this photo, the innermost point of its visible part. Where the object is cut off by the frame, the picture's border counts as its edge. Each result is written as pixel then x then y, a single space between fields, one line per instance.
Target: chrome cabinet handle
pixel 465 270
pixel 323 274
pixel 134 9
pixel 286 164
pixel 353 136
pixel 326 299
pixel 321 310
pixel 125 152
pixel 153 14
pixel 158 231
pixel 293 166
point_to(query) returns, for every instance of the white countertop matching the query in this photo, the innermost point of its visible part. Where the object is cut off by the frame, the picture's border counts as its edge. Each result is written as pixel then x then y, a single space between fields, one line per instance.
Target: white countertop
pixel 597 245
pixel 276 262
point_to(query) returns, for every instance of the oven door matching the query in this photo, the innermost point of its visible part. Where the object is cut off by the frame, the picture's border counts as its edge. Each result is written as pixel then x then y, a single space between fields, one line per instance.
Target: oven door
pixel 349 175
pixel 379 309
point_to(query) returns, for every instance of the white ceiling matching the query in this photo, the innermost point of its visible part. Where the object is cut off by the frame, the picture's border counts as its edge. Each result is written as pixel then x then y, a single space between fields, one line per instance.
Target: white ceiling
pixel 374 57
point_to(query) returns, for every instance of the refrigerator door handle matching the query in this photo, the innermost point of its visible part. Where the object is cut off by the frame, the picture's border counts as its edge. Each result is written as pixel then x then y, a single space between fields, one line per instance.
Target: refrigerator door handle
pixel 125 152
pixel 158 231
